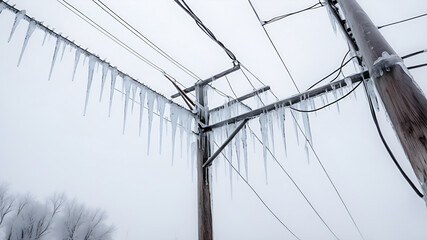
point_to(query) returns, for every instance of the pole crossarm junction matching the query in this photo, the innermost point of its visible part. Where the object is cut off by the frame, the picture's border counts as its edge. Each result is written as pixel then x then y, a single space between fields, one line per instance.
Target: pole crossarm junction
pixel 289 101
pixel 227 141
pixel 236 66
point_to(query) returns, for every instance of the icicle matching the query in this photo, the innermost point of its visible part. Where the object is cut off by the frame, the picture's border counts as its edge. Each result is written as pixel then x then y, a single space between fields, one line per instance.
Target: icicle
pixel 334 91
pixel 237 140
pixel 174 112
pixel 341 90
pixel 114 74
pixel 55 53
pixel 104 76
pixel 92 61
pixel 30 30
pixel 244 139
pixel 142 92
pixel 295 117
pixel 65 43
pixel 281 118
pixel 45 36
pixel 2 7
pixel 182 119
pixel 161 104
pixel 134 88
pixel 230 159
pixel 305 119
pixel 371 92
pixel 76 61
pixel 270 127
pixel 151 96
pixel 189 132
pixel 263 122
pixel 127 83
pixel 19 16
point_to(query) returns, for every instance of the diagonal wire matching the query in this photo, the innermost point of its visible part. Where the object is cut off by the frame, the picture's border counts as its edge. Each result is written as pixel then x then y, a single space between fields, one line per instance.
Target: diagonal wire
pixel 137 33
pixel 274 46
pixel 402 21
pixel 315 6
pixel 256 193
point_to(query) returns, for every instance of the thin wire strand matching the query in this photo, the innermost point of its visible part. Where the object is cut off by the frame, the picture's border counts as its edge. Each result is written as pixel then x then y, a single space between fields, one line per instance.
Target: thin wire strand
pixel 315 6
pixel 402 21
pixel 137 33
pixel 256 193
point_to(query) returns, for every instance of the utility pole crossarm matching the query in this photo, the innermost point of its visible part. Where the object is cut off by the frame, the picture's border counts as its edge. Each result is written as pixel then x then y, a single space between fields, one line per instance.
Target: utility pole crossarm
pixel 242 98
pixel 236 66
pixel 289 101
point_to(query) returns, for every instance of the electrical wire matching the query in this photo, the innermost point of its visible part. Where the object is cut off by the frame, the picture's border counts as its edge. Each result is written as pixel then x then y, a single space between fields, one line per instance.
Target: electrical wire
pixel 256 193
pixel 402 21
pixel 418 66
pixel 315 6
pixel 289 176
pixel 88 20
pixel 413 54
pixel 205 29
pixel 377 126
pixel 329 104
pixel 274 47
pixel 137 33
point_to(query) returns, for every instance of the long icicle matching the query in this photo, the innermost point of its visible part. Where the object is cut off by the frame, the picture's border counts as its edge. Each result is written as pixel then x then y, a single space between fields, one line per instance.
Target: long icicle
pixel 127 82
pixel 76 62
pixel 19 16
pixel 30 30
pixel 142 92
pixel 55 54
pixel 114 74
pixel 92 61
pixel 104 76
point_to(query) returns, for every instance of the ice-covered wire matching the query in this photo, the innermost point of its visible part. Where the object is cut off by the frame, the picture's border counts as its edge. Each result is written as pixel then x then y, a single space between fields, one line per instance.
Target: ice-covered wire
pixel 414 54
pixel 418 66
pixel 377 126
pixel 343 64
pixel 138 34
pixel 257 194
pixel 205 29
pixel 329 104
pixel 315 6
pixel 402 21
pixel 105 32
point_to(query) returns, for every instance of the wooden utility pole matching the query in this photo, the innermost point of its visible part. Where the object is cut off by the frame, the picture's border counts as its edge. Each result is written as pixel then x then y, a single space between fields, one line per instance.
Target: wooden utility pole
pixel 203 151
pixel 404 102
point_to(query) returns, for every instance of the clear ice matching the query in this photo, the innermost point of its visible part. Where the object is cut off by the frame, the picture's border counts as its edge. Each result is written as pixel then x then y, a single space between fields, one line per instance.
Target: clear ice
pixel 133 91
pixel 92 61
pixel 244 140
pixel 19 16
pixel 114 74
pixel 263 122
pixel 174 112
pixel 281 118
pixel 104 76
pixel 151 96
pixel 161 104
pixel 76 61
pixel 55 54
pixel 30 30
pixel 142 92
pixel 127 83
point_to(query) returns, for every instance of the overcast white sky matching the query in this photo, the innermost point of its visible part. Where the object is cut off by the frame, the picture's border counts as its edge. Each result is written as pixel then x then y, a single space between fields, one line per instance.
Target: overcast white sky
pixel 47 146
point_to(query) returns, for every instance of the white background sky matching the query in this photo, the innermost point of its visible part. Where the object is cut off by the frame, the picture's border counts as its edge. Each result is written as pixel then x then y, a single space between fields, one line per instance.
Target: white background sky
pixel 47 146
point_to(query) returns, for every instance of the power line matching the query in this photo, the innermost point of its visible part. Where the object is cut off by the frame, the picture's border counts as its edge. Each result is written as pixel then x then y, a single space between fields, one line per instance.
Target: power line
pixel 329 104
pixel 137 33
pixel 105 32
pixel 274 46
pixel 315 6
pixel 256 193
pixel 288 175
pixel 402 21
pixel 418 66
pixel 414 54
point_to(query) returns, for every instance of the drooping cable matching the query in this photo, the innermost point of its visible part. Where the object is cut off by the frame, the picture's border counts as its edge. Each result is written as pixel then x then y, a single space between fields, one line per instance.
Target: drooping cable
pixel 377 126
pixel 402 21
pixel 205 29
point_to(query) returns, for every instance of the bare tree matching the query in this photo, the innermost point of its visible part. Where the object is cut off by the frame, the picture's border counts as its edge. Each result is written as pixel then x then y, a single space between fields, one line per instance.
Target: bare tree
pixel 78 223
pixel 6 203
pixel 33 220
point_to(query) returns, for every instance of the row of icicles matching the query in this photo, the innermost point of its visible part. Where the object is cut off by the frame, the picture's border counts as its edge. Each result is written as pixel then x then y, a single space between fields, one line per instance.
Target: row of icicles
pixel 132 89
pixel 178 116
